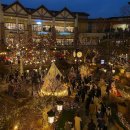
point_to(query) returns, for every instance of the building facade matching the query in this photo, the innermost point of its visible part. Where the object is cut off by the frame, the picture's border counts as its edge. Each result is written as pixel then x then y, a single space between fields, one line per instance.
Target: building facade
pixel 24 28
pixel 35 22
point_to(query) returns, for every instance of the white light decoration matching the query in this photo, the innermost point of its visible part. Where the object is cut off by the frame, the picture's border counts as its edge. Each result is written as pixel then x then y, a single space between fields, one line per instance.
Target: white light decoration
pixel 105 70
pixel 74 54
pixel 51 120
pixel 59 106
pixel 113 71
pixel 39 23
pixel 102 62
pixel 80 60
pixel 27 71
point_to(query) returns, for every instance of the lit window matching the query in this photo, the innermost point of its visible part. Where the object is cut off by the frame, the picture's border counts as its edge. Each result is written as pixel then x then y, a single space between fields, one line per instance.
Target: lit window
pixel 13 26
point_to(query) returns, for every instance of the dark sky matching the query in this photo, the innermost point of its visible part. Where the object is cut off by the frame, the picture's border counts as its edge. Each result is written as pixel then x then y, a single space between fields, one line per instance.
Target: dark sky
pixel 96 8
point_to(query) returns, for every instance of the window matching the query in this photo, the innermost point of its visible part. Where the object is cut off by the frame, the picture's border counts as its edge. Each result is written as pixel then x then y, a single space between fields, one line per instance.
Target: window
pixel 39 28
pixel 13 26
pixel 64 29
pixel 10 25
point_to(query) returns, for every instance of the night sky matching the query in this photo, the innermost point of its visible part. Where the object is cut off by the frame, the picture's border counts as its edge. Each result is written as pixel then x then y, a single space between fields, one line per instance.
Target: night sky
pixel 96 8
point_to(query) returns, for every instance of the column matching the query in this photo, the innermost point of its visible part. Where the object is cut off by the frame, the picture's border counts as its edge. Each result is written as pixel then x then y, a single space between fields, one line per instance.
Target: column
pixel 18 49
pixel 29 28
pixel 76 35
pixel 53 32
pixel 2 28
pixel 76 21
pixel 53 22
pixel 65 25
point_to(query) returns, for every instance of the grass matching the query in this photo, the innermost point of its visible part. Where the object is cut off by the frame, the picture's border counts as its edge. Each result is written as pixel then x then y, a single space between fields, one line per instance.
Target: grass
pixel 67 115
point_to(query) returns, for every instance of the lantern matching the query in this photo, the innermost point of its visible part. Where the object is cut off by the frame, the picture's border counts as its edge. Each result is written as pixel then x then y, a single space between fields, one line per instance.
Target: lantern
pixel 59 106
pixel 16 127
pixel 51 116
pixel 113 71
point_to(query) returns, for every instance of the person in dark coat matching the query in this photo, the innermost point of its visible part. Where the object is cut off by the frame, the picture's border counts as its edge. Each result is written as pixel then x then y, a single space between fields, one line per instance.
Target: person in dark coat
pixel 69 91
pixel 83 94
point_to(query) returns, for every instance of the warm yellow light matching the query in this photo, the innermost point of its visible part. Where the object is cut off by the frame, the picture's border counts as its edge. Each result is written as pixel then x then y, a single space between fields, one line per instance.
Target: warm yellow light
pixel 59 94
pixel 122 71
pixel 16 127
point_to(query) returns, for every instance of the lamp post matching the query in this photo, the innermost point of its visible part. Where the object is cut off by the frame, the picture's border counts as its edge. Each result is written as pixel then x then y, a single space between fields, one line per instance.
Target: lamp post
pixel 51 118
pixel 59 106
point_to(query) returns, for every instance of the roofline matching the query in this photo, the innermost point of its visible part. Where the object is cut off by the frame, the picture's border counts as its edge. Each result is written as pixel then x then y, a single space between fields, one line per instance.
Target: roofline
pixel 65 8
pixel 118 17
pixel 16 2
pixel 32 10
pixel 42 6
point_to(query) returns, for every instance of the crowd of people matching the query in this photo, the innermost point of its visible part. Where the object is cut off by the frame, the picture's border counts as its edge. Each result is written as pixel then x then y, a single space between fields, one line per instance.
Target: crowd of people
pixel 18 83
pixel 89 93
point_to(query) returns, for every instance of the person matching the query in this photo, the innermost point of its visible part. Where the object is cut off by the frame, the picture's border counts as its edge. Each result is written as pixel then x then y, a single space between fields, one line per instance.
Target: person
pixel 108 113
pixel 92 109
pixel 105 127
pixel 77 121
pixel 69 91
pixel 67 126
pixel 83 94
pixel 91 125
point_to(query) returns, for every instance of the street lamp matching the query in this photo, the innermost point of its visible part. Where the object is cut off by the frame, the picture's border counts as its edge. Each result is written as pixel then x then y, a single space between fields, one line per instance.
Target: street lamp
pixel 51 116
pixel 113 71
pixel 59 106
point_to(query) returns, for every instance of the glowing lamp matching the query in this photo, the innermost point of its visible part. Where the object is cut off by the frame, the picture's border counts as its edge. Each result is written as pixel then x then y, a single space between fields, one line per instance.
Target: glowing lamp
pixel 16 127
pixel 128 74
pixel 113 71
pixel 79 54
pixel 39 23
pixel 122 71
pixel 51 116
pixel 27 71
pixel 74 54
pixel 105 70
pixel 102 62
pixel 59 106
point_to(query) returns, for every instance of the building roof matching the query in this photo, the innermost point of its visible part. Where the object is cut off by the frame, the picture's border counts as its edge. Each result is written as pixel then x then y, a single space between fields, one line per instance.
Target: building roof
pixel 52 12
pixel 121 17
